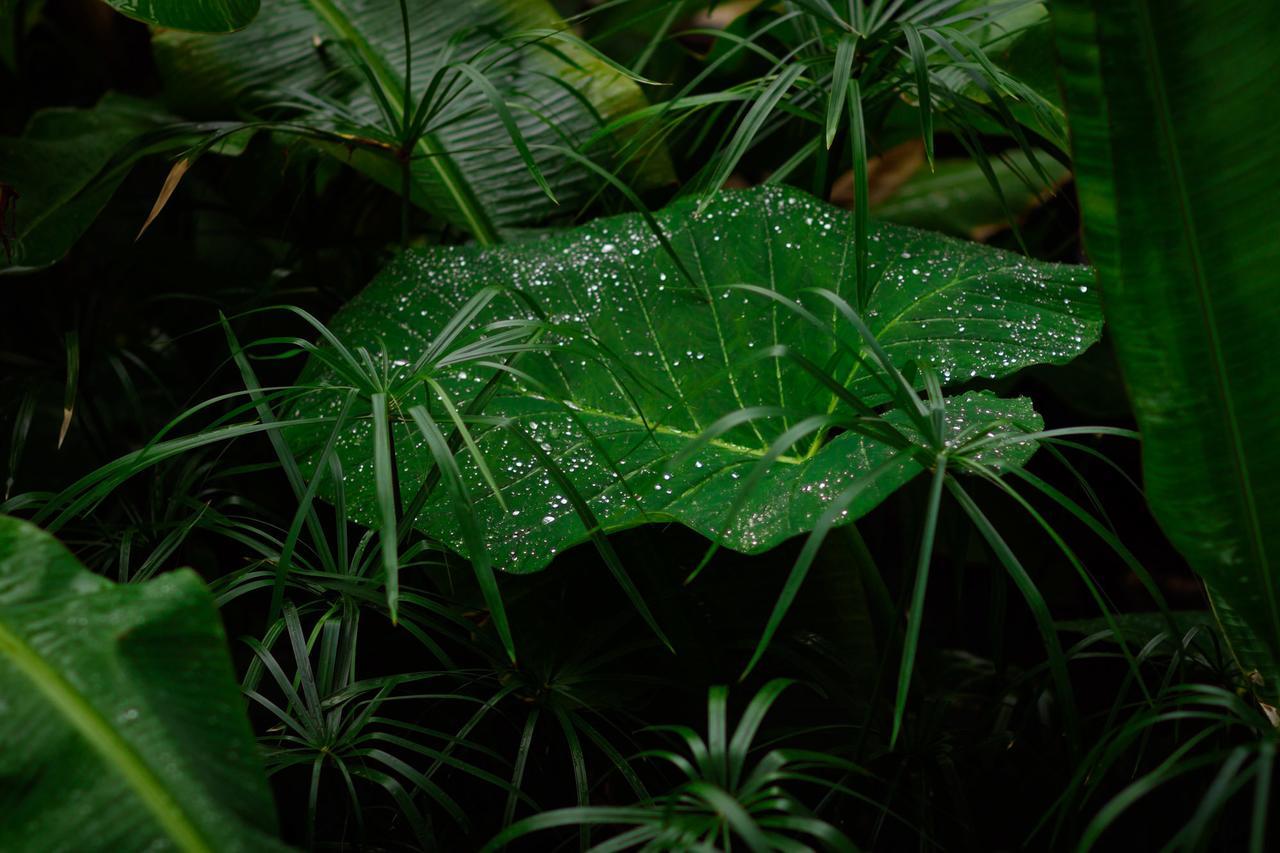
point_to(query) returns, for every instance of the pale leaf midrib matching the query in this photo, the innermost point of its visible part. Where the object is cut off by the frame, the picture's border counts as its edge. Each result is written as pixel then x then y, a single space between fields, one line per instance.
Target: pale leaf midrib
pixel 114 751
pixel 663 429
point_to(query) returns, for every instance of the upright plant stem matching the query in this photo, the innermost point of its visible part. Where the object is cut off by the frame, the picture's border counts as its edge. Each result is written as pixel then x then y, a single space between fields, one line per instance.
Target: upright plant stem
pixel 406 189
pixel 406 144
pixel 915 615
pixel 408 60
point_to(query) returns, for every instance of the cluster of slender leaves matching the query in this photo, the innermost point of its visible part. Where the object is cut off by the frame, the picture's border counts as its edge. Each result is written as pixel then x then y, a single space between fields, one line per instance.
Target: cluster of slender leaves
pixel 1197 707
pixel 837 71
pixel 417 108
pixel 723 799
pixel 366 386
pixel 328 721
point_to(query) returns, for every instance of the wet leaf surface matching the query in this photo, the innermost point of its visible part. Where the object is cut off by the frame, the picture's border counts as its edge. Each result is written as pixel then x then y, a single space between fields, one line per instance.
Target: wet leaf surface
pixel 642 361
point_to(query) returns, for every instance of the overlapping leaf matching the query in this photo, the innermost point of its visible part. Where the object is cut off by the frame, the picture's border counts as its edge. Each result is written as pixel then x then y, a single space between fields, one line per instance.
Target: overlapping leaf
pixel 62 171
pixel 1175 136
pixel 122 725
pixel 647 361
pixel 197 16
pixel 957 198
pixel 466 169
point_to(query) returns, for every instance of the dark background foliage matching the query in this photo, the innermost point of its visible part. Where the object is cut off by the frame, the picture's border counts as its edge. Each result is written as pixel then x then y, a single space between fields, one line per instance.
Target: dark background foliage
pixel 983 757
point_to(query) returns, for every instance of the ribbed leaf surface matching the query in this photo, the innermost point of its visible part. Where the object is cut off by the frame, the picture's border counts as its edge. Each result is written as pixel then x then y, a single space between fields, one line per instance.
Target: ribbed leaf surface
pixel 197 16
pixel 122 725
pixel 649 362
pixel 1176 138
pixel 467 171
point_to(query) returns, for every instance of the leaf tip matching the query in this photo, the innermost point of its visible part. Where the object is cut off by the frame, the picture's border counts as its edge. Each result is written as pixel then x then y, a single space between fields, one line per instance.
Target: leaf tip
pixel 170 184
pixel 66 425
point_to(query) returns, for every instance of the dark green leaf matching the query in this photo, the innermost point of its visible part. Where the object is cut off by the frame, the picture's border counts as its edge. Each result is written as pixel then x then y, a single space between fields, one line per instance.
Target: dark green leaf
pixel 957 198
pixel 465 168
pixel 1140 628
pixel 122 724
pixel 64 169
pixel 197 16
pixel 647 363
pixel 1175 137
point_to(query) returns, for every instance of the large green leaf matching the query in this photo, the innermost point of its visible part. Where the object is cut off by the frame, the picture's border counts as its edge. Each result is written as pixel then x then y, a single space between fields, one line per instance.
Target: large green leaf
pixel 197 16
pixel 64 169
pixel 1176 137
pixel 466 171
pixel 679 356
pixel 122 725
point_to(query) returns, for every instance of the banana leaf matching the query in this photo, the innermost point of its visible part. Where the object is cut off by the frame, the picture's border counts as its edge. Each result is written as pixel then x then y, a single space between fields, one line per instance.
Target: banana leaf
pixel 1175 139
pixel 340 65
pixel 122 723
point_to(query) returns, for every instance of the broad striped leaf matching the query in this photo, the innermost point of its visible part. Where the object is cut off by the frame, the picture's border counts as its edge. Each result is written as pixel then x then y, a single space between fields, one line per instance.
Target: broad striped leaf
pixel 467 170
pixel 122 725
pixel 1175 140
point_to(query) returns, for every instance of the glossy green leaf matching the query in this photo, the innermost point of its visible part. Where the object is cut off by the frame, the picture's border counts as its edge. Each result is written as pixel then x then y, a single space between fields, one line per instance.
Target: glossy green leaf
pixel 197 16
pixel 1175 138
pixel 648 362
pixel 466 169
pixel 1249 647
pixel 122 725
pixel 64 169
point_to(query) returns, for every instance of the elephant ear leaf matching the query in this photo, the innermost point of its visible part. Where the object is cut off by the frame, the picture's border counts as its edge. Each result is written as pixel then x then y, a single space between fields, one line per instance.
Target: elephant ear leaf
pixel 653 343
pixel 119 713
pixel 1177 183
pixel 197 16
pixel 340 66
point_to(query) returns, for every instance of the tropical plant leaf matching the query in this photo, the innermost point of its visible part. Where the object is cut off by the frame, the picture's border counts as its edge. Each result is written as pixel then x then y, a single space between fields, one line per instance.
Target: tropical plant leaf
pixel 1177 186
pixel 197 16
pixel 63 170
pixel 122 725
pixel 465 170
pixel 1249 650
pixel 648 363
